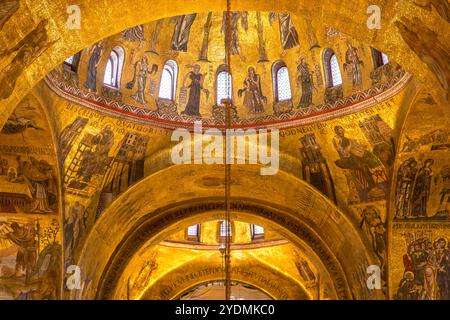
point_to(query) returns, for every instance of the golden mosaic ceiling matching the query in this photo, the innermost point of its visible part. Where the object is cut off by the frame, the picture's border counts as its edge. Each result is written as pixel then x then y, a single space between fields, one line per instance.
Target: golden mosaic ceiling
pixel 87 178
pixel 193 48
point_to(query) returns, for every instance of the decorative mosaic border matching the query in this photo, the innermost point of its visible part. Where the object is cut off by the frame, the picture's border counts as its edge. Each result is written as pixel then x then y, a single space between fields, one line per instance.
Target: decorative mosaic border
pixel 344 106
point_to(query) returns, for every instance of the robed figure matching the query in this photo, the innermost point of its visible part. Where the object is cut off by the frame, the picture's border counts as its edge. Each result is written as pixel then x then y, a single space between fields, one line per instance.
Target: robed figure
pixel 359 161
pixel 305 78
pixel 24 237
pixel 234 18
pixel 403 193
pixel 141 71
pixel 91 81
pixel 353 65
pixel 253 96
pixel 421 192
pixel 288 33
pixel 180 36
pixel 195 89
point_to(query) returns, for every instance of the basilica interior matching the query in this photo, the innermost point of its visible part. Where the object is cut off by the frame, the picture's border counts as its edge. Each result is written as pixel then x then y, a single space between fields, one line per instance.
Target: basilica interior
pixel 339 191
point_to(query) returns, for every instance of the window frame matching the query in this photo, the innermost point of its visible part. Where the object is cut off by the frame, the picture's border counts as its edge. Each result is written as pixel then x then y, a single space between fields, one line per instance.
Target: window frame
pixel 220 70
pixel 327 56
pixel 171 67
pixel 378 59
pixel 193 238
pixel 257 236
pixel 75 62
pixel 118 71
pixel 221 238
pixel 276 67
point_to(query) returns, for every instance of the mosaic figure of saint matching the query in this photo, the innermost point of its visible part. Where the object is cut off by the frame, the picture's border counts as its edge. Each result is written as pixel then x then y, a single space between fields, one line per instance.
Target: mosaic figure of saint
pixel 288 33
pixel 23 236
pixel 95 160
pixel 96 52
pixel 253 96
pixel 141 71
pixel 182 30
pixel 403 193
pixel 374 227
pixel 444 201
pixel 421 192
pixel 353 65
pixel 359 161
pixel 235 17
pixel 195 90
pixel 74 226
pixel 39 176
pixel 426 270
pixel 406 289
pixel 305 78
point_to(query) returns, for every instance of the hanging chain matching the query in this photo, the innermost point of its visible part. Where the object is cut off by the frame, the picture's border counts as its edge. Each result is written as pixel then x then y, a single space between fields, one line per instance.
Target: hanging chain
pixel 228 163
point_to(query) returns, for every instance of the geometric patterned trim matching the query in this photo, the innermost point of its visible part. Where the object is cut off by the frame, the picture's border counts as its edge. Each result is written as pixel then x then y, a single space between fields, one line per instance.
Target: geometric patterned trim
pixel 297 117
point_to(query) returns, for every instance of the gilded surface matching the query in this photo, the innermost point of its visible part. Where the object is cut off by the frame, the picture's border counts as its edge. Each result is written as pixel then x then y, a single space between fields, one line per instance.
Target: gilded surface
pixel 86 176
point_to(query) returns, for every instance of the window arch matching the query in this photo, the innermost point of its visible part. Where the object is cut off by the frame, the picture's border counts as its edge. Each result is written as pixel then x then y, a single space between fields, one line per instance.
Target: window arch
pixel 332 70
pixel 168 84
pixel 224 85
pixel 113 71
pixel 379 58
pixel 73 61
pixel 281 82
pixel 257 232
pixel 225 232
pixel 193 233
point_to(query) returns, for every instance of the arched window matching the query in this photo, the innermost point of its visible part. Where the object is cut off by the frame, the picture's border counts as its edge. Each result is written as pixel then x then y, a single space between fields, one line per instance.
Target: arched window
pixel 113 71
pixel 257 232
pixel 223 85
pixel 281 82
pixel 73 61
pixel 69 61
pixel 332 70
pixel 384 58
pixel 193 233
pixel 379 58
pixel 168 84
pixel 224 232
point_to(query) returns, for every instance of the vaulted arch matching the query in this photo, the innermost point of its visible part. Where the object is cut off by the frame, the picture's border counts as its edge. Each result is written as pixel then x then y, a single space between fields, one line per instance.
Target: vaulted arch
pixel 143 214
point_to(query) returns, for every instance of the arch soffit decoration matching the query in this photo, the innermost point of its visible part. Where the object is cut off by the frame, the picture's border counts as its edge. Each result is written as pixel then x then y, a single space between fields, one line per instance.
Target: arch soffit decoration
pixel 115 238
pixel 256 278
pixel 241 273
